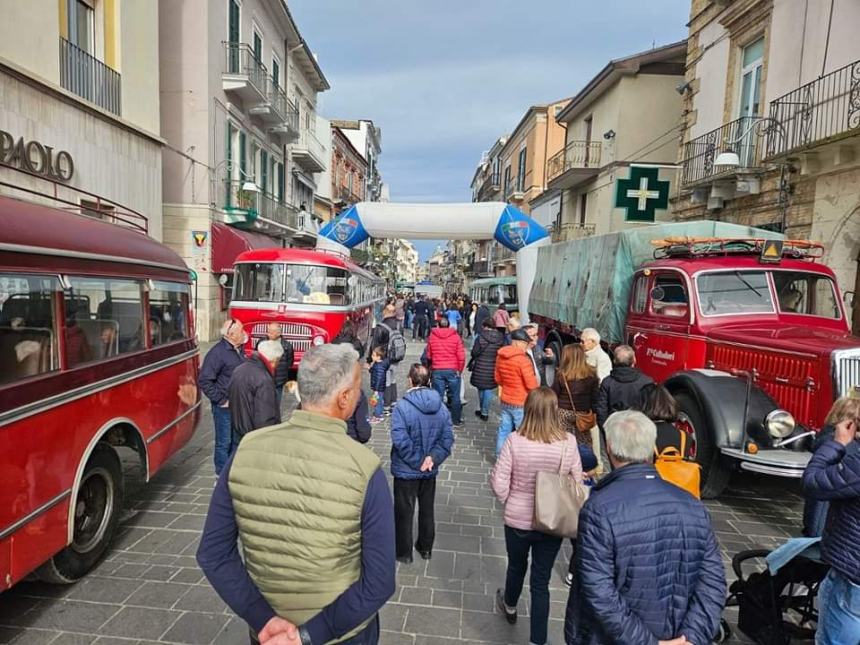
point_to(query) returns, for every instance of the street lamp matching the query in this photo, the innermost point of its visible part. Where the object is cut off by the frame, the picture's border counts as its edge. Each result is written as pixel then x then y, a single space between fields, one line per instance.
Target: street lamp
pixel 763 126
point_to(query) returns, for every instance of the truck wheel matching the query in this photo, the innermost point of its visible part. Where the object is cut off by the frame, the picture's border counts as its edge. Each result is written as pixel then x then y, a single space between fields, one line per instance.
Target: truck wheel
pixel 96 514
pixel 715 473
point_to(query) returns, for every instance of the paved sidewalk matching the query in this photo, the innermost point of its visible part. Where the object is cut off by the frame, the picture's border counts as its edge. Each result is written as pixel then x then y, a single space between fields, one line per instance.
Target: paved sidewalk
pixel 149 589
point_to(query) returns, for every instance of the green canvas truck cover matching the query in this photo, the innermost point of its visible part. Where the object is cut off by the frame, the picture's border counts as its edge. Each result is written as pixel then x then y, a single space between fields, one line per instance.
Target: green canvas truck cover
pixel 586 283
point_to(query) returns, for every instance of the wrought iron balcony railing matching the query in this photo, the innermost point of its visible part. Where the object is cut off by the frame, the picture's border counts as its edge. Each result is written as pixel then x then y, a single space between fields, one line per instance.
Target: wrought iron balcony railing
pixel 571 231
pixel 576 154
pixel 240 60
pixel 89 78
pixel 742 136
pixel 254 204
pixel 515 187
pixel 826 109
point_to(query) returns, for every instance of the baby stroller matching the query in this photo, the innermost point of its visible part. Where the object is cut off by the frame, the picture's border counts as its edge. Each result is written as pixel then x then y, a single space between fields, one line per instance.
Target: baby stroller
pixel 776 603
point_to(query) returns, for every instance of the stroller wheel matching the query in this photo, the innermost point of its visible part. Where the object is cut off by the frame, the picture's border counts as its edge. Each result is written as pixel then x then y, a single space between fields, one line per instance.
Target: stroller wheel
pixel 724 632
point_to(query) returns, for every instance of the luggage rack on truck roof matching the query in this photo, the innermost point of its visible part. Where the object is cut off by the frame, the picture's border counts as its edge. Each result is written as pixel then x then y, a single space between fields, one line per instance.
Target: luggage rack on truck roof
pixel 695 247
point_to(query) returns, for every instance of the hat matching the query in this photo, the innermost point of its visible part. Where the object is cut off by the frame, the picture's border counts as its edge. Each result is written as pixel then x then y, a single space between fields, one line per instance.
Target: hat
pixel 520 334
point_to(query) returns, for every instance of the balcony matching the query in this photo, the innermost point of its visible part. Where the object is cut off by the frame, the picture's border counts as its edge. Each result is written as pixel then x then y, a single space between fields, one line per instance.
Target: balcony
pixel 307 229
pixel 742 136
pixel 278 111
pixel 492 183
pixel 309 153
pixel 571 231
pixel 503 254
pixel 89 78
pixel 481 269
pixel 821 112
pixel 515 189
pixel 244 76
pixel 578 162
pixel 259 211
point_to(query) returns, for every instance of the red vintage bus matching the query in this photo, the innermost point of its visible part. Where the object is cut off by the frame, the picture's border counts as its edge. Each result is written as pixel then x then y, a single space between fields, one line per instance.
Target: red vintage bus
pixel 315 295
pixel 98 360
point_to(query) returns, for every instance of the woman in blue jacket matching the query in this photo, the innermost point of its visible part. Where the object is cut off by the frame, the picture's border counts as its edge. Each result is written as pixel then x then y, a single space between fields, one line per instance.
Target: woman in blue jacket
pixel 421 439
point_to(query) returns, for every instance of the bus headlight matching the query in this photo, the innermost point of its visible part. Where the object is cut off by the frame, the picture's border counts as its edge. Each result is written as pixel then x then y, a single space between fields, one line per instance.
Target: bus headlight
pixel 779 424
pixel 318 340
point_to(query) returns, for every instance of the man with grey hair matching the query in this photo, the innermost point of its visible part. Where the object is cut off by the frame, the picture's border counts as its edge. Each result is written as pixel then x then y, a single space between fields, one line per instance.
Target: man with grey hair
pixel 313 512
pixel 622 389
pixel 214 380
pixel 282 373
pixel 648 566
pixel 594 354
pixel 253 399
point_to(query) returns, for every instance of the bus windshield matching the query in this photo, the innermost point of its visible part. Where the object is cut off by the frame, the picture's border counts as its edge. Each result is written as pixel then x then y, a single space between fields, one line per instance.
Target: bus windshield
pixel 297 283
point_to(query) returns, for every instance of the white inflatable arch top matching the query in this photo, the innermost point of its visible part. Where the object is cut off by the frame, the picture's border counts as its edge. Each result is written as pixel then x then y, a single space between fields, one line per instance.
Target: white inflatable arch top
pixel 470 221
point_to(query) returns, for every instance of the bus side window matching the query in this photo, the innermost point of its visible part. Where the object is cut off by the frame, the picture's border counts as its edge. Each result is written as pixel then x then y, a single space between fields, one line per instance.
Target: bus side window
pixel 28 326
pixel 168 312
pixel 114 323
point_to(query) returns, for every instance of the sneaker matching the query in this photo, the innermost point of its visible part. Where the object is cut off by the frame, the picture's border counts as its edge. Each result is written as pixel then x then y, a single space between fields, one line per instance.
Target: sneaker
pixel 458 425
pixel 405 560
pixel 510 613
pixel 478 413
pixel 485 417
pixel 375 420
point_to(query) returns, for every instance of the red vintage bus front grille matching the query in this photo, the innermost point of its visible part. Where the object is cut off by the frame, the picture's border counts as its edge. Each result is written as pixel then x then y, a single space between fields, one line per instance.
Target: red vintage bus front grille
pixel 288 330
pixel 790 380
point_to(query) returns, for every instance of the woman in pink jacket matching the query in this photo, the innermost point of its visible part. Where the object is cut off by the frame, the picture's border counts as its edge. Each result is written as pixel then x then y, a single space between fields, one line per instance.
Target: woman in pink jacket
pixel 540 444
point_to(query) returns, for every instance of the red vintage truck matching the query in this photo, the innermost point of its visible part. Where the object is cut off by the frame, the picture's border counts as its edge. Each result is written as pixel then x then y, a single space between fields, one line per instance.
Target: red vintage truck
pixel 748 332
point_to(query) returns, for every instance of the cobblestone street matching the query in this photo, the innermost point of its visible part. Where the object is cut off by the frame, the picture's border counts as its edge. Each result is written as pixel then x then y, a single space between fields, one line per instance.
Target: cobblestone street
pixel 149 589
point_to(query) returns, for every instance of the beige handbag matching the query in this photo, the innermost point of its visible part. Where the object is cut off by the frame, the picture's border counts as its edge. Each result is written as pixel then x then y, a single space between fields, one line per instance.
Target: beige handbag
pixel 558 500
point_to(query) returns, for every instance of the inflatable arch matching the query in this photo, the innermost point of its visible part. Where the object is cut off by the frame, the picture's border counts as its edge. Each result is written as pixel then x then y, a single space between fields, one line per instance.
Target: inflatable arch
pixel 472 221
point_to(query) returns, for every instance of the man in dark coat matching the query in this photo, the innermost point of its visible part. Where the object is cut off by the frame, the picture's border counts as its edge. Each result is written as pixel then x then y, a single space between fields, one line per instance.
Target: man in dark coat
pixel 282 373
pixel 480 316
pixel 483 365
pixel 648 566
pixel 833 474
pixel 622 389
pixel 253 403
pixel 214 380
pixel 422 319
pixel 380 338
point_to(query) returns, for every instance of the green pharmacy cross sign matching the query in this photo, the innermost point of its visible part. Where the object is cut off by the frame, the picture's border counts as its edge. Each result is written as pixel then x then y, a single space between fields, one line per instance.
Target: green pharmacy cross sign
pixel 642 194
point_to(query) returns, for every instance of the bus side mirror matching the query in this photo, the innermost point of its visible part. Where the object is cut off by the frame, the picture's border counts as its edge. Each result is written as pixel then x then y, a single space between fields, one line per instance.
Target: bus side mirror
pixel 223 279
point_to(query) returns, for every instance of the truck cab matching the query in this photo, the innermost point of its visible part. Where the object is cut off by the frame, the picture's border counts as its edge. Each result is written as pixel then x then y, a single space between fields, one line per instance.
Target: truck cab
pixel 755 348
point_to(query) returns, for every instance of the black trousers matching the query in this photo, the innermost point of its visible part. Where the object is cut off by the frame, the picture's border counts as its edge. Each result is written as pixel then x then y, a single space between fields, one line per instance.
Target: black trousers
pixel 406 491
pixel 419 327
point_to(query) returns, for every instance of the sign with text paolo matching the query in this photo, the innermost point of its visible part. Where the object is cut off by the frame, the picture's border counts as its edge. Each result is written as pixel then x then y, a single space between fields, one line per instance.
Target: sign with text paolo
pixel 35 157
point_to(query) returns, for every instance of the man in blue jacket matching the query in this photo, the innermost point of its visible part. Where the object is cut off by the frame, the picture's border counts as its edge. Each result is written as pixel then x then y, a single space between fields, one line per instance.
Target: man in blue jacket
pixel 648 567
pixel 214 380
pixel 833 474
pixel 421 439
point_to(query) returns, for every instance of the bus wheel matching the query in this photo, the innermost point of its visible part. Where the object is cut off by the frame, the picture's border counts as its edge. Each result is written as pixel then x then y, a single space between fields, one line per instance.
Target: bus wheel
pixel 715 473
pixel 95 515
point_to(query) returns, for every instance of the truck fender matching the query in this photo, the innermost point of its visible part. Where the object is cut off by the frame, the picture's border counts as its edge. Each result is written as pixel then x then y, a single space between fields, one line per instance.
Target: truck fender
pixel 721 397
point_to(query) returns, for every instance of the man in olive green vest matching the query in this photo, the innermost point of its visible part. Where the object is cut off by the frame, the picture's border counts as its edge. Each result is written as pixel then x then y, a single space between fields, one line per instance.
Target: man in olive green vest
pixel 314 514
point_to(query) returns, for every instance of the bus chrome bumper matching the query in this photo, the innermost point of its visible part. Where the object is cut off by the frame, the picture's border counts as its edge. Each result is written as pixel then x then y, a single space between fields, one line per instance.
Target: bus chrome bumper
pixel 782 463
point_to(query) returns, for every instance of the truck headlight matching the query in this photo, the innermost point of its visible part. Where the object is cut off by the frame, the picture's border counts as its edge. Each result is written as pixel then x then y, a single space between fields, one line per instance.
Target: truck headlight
pixel 779 424
pixel 319 340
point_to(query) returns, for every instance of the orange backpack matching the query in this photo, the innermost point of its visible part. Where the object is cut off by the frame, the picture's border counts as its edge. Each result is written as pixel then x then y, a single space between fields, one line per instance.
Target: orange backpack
pixel 672 467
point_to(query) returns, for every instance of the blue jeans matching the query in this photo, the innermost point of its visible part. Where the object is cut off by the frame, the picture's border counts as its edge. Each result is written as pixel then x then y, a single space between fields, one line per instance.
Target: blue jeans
pixel 449 380
pixel 838 611
pixel 485 397
pixel 223 436
pixel 510 418
pixel 379 408
pixel 544 549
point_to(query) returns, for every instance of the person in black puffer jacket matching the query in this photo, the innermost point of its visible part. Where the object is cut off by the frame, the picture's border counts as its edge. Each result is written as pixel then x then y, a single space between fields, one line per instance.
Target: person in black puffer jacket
pixel 833 474
pixel 648 566
pixel 483 365
pixel 282 372
pixel 622 389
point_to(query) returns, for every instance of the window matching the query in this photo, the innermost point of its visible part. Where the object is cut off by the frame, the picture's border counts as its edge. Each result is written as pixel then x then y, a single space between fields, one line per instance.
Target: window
pixel 243 156
pixel 281 182
pixel 669 296
pixel 291 283
pixel 810 294
pixel 734 292
pixel 750 98
pixel 264 171
pixel 583 208
pixel 276 72
pixel 521 165
pixel 640 295
pixel 168 312
pixel 507 179
pixel 233 35
pixel 258 47
pixel 108 315
pixel 81 25
pixel 28 326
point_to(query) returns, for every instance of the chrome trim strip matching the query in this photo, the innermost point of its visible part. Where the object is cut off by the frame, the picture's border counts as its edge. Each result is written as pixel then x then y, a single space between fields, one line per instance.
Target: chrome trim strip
pixel 771 470
pixel 299 306
pixel 41 250
pixel 30 409
pixel 9 530
pixel 174 422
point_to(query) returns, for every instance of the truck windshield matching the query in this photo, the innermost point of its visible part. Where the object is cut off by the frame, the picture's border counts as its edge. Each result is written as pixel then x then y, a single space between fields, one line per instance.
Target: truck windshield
pixel 267 282
pixel 734 292
pixel 812 294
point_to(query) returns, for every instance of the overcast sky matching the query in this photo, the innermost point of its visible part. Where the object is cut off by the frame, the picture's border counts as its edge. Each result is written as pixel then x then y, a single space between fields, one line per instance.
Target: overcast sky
pixel 444 79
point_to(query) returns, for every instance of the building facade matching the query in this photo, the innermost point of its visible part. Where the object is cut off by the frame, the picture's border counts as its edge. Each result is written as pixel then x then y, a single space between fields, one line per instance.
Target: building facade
pixel 629 113
pixel 348 171
pixel 79 108
pixel 778 88
pixel 238 95
pixel 367 139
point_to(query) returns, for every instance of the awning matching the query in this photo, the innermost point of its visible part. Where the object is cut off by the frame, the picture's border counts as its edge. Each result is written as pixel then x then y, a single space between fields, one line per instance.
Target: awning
pixel 229 242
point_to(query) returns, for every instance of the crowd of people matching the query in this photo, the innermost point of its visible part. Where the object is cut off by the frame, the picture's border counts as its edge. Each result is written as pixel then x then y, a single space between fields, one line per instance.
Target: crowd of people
pixel 321 533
